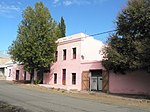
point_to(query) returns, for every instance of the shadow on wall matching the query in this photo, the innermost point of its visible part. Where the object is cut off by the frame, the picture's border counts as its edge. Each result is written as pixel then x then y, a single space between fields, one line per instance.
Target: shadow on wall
pixel 47 77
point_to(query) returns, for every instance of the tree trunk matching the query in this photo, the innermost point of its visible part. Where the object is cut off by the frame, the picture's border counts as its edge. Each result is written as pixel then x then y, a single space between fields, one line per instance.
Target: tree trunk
pixel 32 76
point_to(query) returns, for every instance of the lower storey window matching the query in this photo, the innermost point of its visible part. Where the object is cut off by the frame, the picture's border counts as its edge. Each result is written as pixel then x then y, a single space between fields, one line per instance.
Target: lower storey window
pixel 73 78
pixel 9 73
pixel 55 78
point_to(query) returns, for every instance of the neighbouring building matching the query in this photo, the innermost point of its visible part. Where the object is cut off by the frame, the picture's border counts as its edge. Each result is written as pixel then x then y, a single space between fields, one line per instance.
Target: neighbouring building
pixel 16 72
pixel 77 65
pixel 11 71
pixel 3 60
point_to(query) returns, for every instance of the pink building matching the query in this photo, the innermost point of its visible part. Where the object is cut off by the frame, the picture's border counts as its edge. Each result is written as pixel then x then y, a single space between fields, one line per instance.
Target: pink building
pixel 78 62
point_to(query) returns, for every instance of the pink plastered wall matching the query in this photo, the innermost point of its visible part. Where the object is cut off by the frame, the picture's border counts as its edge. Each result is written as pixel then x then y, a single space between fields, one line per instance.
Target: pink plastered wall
pixel 87 57
pixel 132 83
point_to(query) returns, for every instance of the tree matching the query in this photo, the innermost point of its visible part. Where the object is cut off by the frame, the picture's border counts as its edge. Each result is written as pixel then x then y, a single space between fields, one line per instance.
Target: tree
pixel 62 27
pixel 36 40
pixel 129 48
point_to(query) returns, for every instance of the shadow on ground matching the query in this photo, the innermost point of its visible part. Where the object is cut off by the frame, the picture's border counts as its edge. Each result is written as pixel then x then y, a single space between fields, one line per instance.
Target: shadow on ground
pixel 5 107
pixel 134 96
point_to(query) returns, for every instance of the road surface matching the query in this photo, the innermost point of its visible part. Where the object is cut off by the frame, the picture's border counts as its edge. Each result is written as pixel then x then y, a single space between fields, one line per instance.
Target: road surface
pixel 36 101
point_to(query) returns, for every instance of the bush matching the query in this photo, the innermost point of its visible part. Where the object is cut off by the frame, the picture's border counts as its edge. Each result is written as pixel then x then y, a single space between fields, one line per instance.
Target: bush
pixel 37 82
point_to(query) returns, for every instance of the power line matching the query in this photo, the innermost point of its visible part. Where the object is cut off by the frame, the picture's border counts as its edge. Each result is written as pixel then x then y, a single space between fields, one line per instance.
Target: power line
pixel 102 33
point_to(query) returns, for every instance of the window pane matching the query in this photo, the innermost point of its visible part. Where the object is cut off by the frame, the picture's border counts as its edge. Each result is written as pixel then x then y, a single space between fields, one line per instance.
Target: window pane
pixel 55 78
pixel 9 72
pixel 73 78
pixel 74 53
pixel 64 54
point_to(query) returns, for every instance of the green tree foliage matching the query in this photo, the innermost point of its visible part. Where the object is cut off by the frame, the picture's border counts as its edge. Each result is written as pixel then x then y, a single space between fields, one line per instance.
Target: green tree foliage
pixel 62 27
pixel 129 48
pixel 35 44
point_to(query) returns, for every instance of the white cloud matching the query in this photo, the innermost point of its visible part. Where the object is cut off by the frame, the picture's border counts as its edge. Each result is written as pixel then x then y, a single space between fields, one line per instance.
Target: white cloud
pixel 19 3
pixel 55 1
pixel 77 2
pixel 8 8
pixel 68 2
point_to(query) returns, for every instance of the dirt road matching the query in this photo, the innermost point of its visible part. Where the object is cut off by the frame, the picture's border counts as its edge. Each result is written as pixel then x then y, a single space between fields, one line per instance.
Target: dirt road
pixel 38 101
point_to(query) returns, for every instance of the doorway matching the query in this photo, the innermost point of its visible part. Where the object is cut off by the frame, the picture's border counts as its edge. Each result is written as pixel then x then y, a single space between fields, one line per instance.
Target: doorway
pixel 17 75
pixel 96 80
pixel 1 72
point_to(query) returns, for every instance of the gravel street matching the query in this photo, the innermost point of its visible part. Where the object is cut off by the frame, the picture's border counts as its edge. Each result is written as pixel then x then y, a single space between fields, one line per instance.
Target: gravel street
pixel 37 101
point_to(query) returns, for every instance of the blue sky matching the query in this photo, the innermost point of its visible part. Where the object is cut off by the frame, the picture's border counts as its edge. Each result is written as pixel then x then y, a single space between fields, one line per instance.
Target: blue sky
pixel 87 16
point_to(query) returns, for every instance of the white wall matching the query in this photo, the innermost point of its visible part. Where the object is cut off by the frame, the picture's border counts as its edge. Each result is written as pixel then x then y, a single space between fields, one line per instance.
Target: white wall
pixel 91 49
pixel 11 77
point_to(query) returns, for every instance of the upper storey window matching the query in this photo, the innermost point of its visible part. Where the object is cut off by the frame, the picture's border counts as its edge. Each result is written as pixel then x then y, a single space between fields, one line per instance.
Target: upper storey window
pixel 74 53
pixel 64 54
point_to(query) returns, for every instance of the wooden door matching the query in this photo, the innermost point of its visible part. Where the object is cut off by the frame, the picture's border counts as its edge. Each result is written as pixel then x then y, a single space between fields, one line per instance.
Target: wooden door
pixel 105 83
pixel 64 77
pixel 85 80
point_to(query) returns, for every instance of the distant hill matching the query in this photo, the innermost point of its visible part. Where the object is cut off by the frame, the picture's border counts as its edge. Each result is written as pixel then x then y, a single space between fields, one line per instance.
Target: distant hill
pixel 4 58
pixel 4 55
